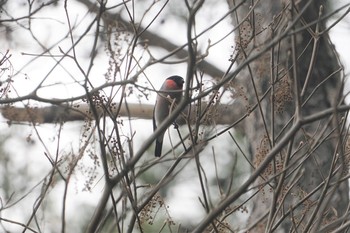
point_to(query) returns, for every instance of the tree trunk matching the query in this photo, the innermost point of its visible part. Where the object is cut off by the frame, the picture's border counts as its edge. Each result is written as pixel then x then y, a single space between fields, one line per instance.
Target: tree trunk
pixel 297 77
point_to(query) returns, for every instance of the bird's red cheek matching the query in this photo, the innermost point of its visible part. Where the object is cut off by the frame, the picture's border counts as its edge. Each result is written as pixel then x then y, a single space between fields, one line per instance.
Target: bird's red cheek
pixel 171 85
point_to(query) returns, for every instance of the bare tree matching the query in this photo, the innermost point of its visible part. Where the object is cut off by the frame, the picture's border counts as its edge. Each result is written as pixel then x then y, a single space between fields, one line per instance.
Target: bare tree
pixel 298 77
pixel 279 106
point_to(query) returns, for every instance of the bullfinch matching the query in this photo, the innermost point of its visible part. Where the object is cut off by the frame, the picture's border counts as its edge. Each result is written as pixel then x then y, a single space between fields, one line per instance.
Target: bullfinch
pixel 169 93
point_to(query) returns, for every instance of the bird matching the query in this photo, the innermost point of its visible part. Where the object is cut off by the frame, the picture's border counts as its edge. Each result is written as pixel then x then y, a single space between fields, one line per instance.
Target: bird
pixel 171 91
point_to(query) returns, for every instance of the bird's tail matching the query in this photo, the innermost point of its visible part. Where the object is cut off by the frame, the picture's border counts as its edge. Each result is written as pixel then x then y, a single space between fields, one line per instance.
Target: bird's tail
pixel 158 150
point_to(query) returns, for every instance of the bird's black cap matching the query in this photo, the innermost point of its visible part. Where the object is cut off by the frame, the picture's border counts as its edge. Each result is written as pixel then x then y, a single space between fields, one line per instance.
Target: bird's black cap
pixel 177 79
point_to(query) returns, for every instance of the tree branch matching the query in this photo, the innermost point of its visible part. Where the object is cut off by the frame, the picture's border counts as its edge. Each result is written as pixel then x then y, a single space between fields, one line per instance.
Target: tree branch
pixel 222 114
pixel 153 39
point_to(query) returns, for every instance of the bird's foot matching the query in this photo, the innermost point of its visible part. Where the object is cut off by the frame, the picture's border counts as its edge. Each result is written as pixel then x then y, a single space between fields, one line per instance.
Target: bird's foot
pixel 176 126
